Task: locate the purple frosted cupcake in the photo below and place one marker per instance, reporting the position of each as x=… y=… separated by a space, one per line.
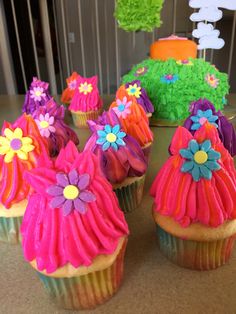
x=134 y=89
x=121 y=158
x=50 y=121
x=203 y=111
x=37 y=95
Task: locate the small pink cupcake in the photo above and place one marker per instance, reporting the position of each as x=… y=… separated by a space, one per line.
x=74 y=233
x=86 y=103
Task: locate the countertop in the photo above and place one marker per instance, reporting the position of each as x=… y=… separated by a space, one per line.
x=151 y=283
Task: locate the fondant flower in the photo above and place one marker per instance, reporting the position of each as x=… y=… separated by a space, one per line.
x=202 y=117
x=201 y=159
x=212 y=80
x=140 y=71
x=184 y=62
x=85 y=88
x=123 y=108
x=72 y=84
x=169 y=78
x=37 y=93
x=71 y=192
x=134 y=90
x=45 y=125
x=13 y=143
x=110 y=137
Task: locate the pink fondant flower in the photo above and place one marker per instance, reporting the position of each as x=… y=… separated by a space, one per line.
x=45 y=125
x=72 y=84
x=71 y=192
x=37 y=93
x=123 y=108
x=212 y=80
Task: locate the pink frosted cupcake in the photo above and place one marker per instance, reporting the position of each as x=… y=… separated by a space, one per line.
x=86 y=103
x=195 y=200
x=21 y=148
x=74 y=233
x=50 y=121
x=121 y=158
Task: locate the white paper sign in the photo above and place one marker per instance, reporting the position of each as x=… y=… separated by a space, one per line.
x=225 y=4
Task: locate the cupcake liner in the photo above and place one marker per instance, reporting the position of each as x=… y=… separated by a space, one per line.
x=86 y=291
x=204 y=255
x=10 y=229
x=130 y=196
x=80 y=118
x=147 y=151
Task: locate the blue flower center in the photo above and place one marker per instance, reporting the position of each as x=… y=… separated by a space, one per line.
x=121 y=107
x=133 y=90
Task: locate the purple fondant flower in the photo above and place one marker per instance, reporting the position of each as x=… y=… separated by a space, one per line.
x=143 y=99
x=225 y=128
x=140 y=71
x=71 y=192
x=37 y=95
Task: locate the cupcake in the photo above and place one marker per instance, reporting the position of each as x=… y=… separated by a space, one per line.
x=134 y=89
x=69 y=91
x=74 y=233
x=50 y=121
x=195 y=200
x=21 y=148
x=203 y=111
x=133 y=119
x=86 y=103
x=121 y=159
x=37 y=95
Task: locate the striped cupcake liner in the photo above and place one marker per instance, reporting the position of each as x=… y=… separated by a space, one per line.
x=80 y=118
x=130 y=196
x=10 y=229
x=193 y=254
x=147 y=151
x=86 y=291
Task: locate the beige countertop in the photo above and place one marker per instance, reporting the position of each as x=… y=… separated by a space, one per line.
x=151 y=283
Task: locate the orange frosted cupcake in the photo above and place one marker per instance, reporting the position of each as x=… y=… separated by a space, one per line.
x=86 y=103
x=133 y=119
x=195 y=200
x=21 y=148
x=69 y=91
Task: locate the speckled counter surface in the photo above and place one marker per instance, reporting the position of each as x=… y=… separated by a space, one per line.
x=151 y=283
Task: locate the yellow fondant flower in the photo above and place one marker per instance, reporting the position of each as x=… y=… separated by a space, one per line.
x=85 y=88
x=134 y=90
x=13 y=143
x=184 y=62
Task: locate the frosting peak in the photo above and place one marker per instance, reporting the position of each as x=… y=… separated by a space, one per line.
x=198 y=182
x=21 y=148
x=69 y=91
x=73 y=216
x=86 y=95
x=119 y=154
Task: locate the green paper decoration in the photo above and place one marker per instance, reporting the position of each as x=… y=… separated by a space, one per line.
x=171 y=101
x=138 y=15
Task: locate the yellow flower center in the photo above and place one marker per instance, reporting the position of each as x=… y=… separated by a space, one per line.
x=71 y=192
x=38 y=93
x=200 y=157
x=44 y=124
x=111 y=138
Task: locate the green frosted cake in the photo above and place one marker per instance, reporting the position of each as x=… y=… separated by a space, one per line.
x=172 y=85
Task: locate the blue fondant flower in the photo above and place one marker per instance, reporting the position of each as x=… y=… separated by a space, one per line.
x=201 y=159
x=169 y=78
x=202 y=117
x=110 y=137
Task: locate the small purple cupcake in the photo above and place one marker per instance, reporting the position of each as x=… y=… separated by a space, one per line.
x=134 y=89
x=121 y=158
x=204 y=111
x=50 y=121
x=37 y=95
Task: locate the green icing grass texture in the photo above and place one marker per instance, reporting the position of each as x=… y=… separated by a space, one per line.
x=136 y=15
x=171 y=101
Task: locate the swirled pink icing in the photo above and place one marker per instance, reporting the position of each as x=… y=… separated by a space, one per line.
x=54 y=239
x=177 y=195
x=86 y=96
x=117 y=165
x=13 y=188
